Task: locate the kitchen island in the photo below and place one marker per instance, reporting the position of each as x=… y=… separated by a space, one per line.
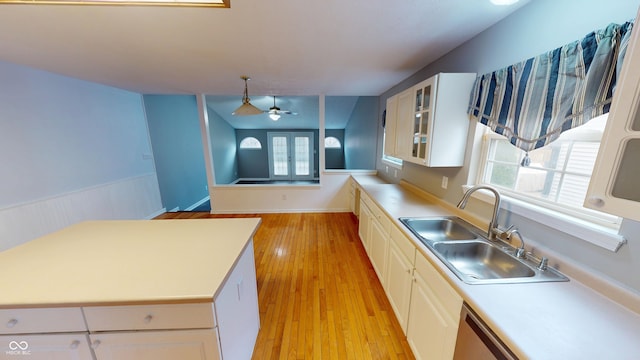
x=132 y=290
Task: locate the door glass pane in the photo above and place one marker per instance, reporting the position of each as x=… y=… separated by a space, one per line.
x=423 y=125
x=301 y=145
x=416 y=124
x=423 y=147
x=418 y=99
x=625 y=185
x=427 y=97
x=280 y=156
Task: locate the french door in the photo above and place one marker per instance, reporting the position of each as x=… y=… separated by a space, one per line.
x=290 y=155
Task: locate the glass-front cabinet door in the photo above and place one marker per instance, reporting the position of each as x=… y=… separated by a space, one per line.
x=615 y=182
x=422 y=119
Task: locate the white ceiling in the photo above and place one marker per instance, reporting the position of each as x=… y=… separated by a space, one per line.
x=288 y=47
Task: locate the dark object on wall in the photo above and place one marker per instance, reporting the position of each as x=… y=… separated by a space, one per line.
x=384 y=118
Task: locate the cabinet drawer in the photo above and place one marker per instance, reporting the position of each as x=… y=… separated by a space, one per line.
x=145 y=317
x=27 y=321
x=405 y=244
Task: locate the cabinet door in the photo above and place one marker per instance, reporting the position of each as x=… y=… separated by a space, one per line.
x=398 y=286
x=424 y=103
x=156 y=345
x=237 y=309
x=390 y=126
x=363 y=225
x=379 y=250
x=434 y=314
x=404 y=124
x=614 y=184
x=46 y=347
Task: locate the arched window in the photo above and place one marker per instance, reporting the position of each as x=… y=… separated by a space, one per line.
x=250 y=143
x=331 y=142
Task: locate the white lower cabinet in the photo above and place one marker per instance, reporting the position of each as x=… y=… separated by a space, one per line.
x=73 y=346
x=156 y=345
x=434 y=314
x=364 y=225
x=379 y=249
x=402 y=255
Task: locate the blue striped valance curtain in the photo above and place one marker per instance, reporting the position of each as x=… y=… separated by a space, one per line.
x=533 y=101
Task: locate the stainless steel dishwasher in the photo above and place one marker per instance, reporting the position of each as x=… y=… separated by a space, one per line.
x=476 y=341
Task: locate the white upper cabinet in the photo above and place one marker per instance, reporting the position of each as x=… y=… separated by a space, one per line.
x=396 y=143
x=614 y=183
x=431 y=122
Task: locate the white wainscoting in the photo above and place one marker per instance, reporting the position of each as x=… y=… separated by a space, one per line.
x=332 y=195
x=131 y=198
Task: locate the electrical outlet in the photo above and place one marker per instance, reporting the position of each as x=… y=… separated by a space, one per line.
x=395 y=173
x=445 y=182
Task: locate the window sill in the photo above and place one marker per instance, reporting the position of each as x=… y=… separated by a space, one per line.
x=393 y=164
x=597 y=235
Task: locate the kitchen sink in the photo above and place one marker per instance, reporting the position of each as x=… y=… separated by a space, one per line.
x=481 y=260
x=439 y=228
x=473 y=258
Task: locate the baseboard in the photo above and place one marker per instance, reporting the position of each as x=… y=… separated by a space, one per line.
x=200 y=202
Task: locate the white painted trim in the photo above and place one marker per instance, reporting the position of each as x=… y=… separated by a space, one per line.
x=156 y=214
x=198 y=203
x=597 y=235
x=137 y=197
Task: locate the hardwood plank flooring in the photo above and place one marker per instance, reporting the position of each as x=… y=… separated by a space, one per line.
x=318 y=294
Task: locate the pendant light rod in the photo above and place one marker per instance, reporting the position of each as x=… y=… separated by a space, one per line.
x=246 y=108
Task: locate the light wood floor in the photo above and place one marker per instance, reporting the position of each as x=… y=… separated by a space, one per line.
x=319 y=296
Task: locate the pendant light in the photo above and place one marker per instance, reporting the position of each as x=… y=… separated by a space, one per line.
x=274 y=111
x=246 y=108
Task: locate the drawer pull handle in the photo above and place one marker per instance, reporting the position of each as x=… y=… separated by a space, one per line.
x=74 y=344
x=11 y=323
x=148 y=318
x=95 y=344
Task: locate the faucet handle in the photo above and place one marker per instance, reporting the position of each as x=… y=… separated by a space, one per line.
x=543 y=264
x=503 y=234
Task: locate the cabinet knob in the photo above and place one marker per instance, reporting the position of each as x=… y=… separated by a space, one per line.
x=11 y=323
x=596 y=201
x=95 y=344
x=74 y=344
x=148 y=318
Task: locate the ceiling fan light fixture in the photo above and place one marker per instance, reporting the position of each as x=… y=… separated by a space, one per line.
x=246 y=108
x=274 y=115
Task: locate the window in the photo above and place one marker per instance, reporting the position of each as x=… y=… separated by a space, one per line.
x=558 y=175
x=290 y=155
x=250 y=143
x=331 y=142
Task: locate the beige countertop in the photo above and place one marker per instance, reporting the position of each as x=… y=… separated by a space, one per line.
x=124 y=262
x=562 y=320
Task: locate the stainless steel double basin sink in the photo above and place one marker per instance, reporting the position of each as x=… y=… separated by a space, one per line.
x=467 y=252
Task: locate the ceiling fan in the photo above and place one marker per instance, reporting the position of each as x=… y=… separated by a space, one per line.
x=275 y=112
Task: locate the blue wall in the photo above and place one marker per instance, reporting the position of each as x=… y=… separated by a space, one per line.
x=59 y=135
x=174 y=128
x=362 y=128
x=223 y=149
x=334 y=158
